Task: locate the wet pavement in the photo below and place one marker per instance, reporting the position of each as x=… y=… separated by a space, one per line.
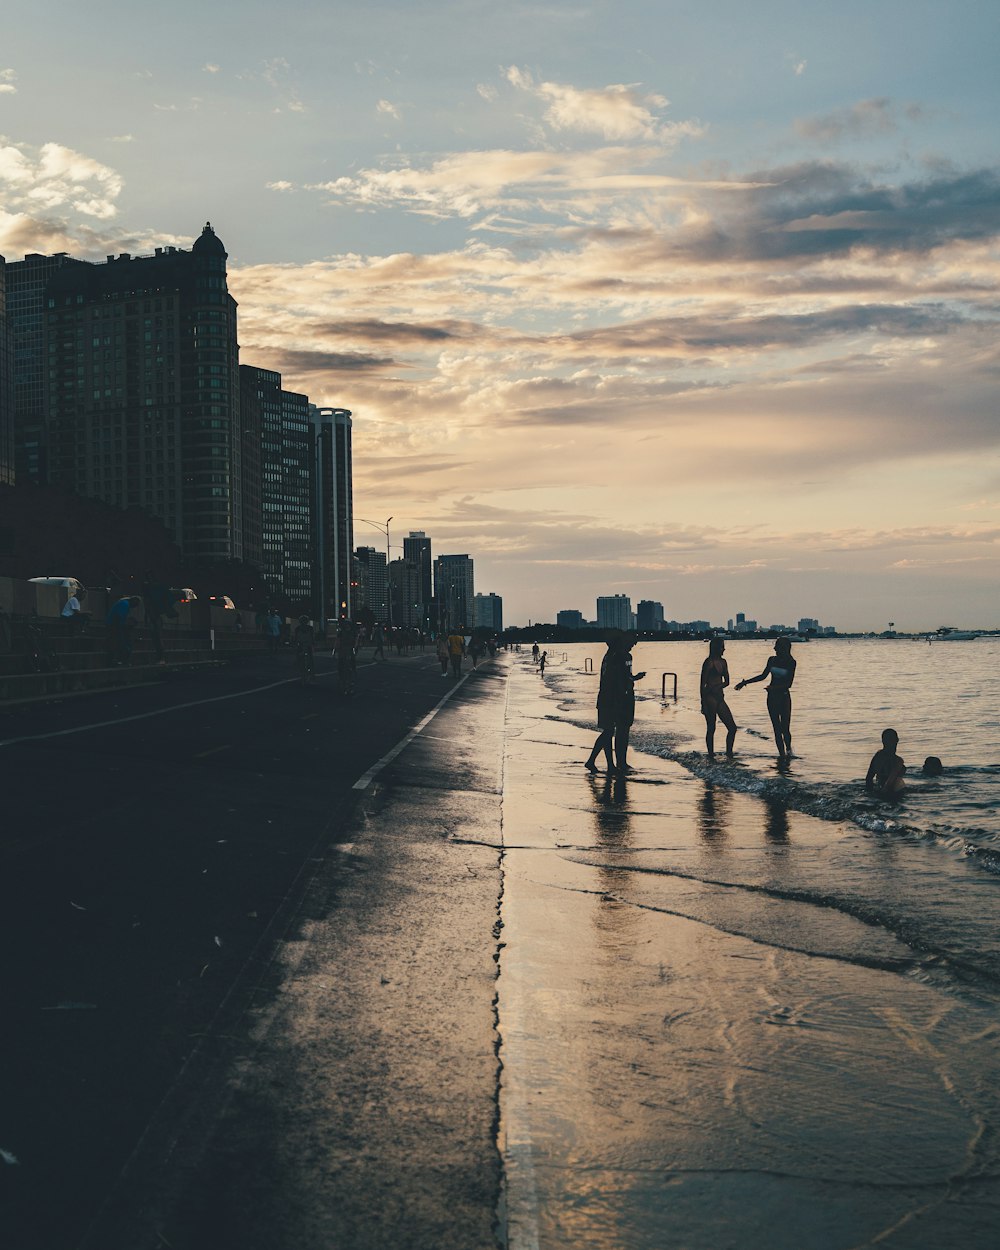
x=512 y=1004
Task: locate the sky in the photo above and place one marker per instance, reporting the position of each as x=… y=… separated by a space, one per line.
x=693 y=302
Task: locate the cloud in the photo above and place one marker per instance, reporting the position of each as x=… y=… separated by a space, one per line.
x=487 y=91
x=616 y=112
x=387 y=108
x=209 y=68
x=7 y=79
x=122 y=139
x=469 y=183
x=53 y=177
x=280 y=185
x=865 y=118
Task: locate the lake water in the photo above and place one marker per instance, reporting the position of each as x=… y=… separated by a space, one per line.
x=943 y=699
x=749 y=1006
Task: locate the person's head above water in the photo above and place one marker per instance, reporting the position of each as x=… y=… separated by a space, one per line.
x=890 y=739
x=932 y=766
x=715 y=648
x=783 y=646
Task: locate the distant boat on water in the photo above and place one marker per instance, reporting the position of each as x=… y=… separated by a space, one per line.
x=948 y=633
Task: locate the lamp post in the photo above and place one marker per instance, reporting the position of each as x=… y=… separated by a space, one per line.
x=385 y=530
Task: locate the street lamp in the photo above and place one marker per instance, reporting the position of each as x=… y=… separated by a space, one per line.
x=385 y=530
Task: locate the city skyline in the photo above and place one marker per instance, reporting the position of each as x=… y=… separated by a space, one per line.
x=697 y=307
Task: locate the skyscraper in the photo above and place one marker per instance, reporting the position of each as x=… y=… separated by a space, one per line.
x=454 y=586
x=296 y=477
x=649 y=616
x=614 y=612
x=141 y=397
x=417 y=549
x=26 y=315
x=372 y=586
x=489 y=612
x=6 y=388
x=333 y=513
x=404 y=591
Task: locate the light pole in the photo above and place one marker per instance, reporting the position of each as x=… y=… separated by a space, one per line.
x=385 y=530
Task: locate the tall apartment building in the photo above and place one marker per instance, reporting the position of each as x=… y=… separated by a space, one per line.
x=404 y=594
x=6 y=387
x=489 y=612
x=333 y=514
x=417 y=548
x=372 y=585
x=284 y=468
x=26 y=315
x=296 y=479
x=570 y=618
x=649 y=616
x=141 y=393
x=454 y=588
x=614 y=612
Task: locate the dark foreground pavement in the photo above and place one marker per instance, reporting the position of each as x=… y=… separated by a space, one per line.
x=246 y=1003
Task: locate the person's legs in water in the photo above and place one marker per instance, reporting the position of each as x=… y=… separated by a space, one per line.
x=708 y=711
x=726 y=716
x=779 y=708
x=603 y=743
x=622 y=735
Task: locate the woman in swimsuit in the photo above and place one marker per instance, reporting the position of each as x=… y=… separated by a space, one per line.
x=714 y=680
x=780 y=667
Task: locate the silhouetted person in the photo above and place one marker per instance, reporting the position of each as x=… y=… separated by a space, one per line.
x=541 y=662
x=120 y=628
x=780 y=668
x=885 y=772
x=615 y=705
x=932 y=767
x=714 y=680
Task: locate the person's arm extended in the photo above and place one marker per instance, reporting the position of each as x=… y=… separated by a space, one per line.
x=872 y=771
x=749 y=681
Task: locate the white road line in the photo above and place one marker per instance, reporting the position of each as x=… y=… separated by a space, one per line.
x=365 y=781
x=124 y=720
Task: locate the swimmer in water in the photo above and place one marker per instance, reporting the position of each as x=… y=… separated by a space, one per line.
x=714 y=680
x=780 y=667
x=885 y=772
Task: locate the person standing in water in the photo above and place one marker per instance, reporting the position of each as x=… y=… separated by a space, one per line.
x=615 y=705
x=714 y=680
x=780 y=667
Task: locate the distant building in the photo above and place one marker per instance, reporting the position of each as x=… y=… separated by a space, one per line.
x=614 y=612
x=808 y=624
x=454 y=588
x=417 y=548
x=489 y=612
x=404 y=594
x=649 y=616
x=570 y=619
x=372 y=588
x=332 y=497
x=6 y=388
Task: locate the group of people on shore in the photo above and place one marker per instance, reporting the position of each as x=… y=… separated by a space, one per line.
x=616 y=712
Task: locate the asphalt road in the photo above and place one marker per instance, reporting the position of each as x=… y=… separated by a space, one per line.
x=157 y=846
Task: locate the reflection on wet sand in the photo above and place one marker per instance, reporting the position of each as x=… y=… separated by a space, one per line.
x=714 y=808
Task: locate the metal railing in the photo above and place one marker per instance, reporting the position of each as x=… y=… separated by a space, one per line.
x=663 y=685
x=588 y=665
